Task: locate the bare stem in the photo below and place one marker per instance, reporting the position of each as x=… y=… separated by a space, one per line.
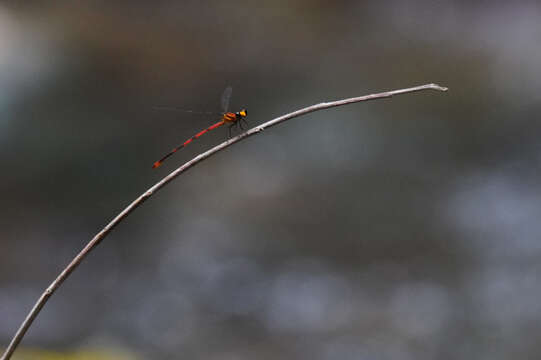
x=107 y=229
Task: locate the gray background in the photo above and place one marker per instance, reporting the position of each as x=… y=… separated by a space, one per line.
x=399 y=229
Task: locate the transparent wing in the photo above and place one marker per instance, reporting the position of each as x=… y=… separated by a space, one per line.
x=225 y=98
x=173 y=108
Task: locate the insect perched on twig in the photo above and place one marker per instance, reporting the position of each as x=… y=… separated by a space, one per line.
x=231 y=118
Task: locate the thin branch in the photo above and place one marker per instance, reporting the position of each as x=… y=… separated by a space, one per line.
x=107 y=229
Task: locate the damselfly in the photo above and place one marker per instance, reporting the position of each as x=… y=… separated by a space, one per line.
x=231 y=118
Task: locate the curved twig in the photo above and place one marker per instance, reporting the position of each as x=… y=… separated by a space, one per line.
x=107 y=229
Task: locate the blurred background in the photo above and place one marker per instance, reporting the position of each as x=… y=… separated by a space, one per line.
x=405 y=228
